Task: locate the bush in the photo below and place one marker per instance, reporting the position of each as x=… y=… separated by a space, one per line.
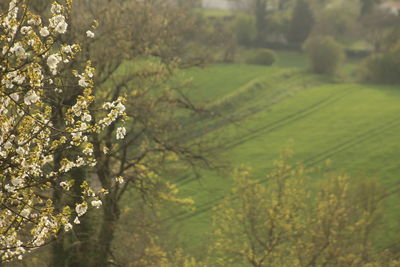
x=245 y=30
x=326 y=55
x=262 y=57
x=383 y=68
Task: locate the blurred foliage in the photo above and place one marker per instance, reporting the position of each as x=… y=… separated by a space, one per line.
x=325 y=54
x=301 y=22
x=382 y=67
x=377 y=26
x=264 y=57
x=245 y=30
x=281 y=220
x=339 y=22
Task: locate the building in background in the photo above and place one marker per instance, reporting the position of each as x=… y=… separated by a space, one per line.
x=392 y=7
x=217 y=4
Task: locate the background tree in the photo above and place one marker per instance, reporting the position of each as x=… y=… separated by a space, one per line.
x=339 y=22
x=368 y=5
x=260 y=13
x=380 y=24
x=325 y=54
x=257 y=8
x=280 y=221
x=301 y=23
x=382 y=67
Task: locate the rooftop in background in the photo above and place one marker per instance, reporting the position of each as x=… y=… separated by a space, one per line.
x=392 y=7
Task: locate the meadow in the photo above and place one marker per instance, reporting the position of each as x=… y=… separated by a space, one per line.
x=345 y=126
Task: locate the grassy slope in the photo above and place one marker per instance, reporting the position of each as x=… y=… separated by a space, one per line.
x=356 y=126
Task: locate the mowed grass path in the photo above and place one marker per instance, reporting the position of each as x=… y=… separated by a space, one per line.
x=355 y=126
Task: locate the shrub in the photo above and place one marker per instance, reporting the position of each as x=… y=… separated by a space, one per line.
x=326 y=55
x=245 y=30
x=262 y=57
x=383 y=67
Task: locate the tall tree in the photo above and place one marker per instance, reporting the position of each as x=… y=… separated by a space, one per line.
x=301 y=23
x=136 y=48
x=261 y=20
x=368 y=5
x=258 y=8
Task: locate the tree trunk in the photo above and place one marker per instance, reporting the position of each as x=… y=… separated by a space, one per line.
x=260 y=13
x=58 y=255
x=79 y=247
x=111 y=215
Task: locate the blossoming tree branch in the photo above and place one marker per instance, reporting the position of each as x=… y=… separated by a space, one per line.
x=36 y=124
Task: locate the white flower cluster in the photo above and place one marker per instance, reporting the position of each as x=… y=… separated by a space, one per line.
x=28 y=138
x=58 y=23
x=52 y=62
x=81 y=209
x=18 y=50
x=121 y=132
x=90 y=34
x=119 y=179
x=31 y=98
x=116 y=110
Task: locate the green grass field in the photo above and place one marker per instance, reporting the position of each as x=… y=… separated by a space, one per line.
x=355 y=126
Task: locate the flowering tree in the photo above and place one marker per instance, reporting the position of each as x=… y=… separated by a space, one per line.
x=127 y=31
x=42 y=135
x=283 y=221
x=136 y=48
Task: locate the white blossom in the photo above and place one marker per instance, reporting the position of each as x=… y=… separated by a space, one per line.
x=81 y=209
x=31 y=42
x=96 y=203
x=82 y=82
x=61 y=27
x=18 y=50
x=119 y=179
x=14 y=96
x=56 y=8
x=59 y=24
x=8 y=145
x=25 y=213
x=121 y=132
x=31 y=97
x=5 y=49
x=44 y=31
x=25 y=29
x=86 y=117
x=67 y=227
x=108 y=105
x=35 y=21
x=105 y=150
x=53 y=60
x=17 y=181
x=66 y=186
x=77 y=221
x=67 y=49
x=90 y=34
x=120 y=107
x=20 y=151
x=88 y=151
x=9 y=188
